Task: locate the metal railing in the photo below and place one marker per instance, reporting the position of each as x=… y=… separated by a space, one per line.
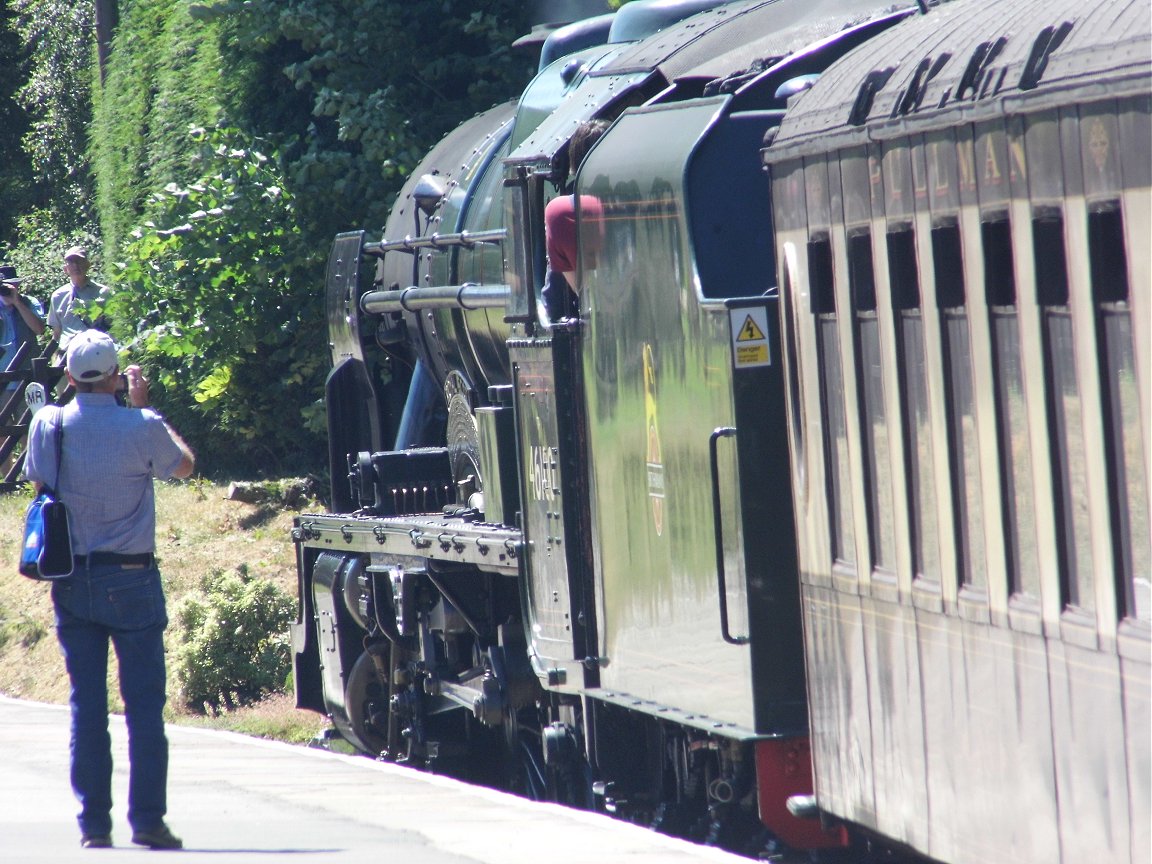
x=15 y=414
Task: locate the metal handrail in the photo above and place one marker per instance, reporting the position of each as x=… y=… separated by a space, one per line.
x=718 y=528
x=467 y=296
x=467 y=239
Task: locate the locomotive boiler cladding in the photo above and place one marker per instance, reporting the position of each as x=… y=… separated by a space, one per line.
x=710 y=544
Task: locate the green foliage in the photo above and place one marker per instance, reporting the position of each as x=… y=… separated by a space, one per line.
x=39 y=258
x=164 y=74
x=233 y=647
x=231 y=323
x=352 y=92
x=45 y=107
x=221 y=240
x=365 y=87
x=16 y=187
x=57 y=97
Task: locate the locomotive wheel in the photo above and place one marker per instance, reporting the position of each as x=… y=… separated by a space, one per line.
x=365 y=724
x=513 y=759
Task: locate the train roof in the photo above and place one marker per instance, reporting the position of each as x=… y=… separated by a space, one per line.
x=728 y=41
x=973 y=60
x=734 y=38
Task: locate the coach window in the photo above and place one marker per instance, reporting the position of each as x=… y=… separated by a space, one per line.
x=873 y=422
x=823 y=306
x=1045 y=191
x=948 y=273
x=921 y=486
x=998 y=167
x=1127 y=488
x=1011 y=409
x=1108 y=259
x=1065 y=411
x=820 y=282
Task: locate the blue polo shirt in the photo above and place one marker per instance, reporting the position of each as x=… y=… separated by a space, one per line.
x=111 y=454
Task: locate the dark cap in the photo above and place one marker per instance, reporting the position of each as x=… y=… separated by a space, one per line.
x=8 y=275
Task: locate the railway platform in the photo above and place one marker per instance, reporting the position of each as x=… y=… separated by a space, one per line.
x=236 y=799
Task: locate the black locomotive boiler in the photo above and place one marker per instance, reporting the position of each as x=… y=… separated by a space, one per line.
x=673 y=555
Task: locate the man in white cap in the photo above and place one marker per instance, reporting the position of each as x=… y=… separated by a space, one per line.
x=109 y=457
x=21 y=321
x=71 y=308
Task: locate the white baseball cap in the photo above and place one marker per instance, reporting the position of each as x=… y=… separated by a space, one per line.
x=91 y=356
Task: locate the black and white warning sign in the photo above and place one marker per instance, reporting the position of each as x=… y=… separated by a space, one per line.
x=750 y=338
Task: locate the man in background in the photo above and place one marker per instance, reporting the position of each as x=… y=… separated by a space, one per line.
x=21 y=321
x=73 y=307
x=109 y=456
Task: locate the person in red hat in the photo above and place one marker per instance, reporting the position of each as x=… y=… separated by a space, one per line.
x=559 y=295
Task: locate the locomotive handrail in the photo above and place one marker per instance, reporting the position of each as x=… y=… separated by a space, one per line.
x=467 y=296
x=718 y=528
x=436 y=241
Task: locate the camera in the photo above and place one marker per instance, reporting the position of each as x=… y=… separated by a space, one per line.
x=122 y=387
x=5 y=290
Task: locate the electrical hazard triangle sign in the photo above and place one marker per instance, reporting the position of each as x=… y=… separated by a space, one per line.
x=749 y=337
x=750 y=332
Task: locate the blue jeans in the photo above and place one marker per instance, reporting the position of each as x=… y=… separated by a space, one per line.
x=124 y=605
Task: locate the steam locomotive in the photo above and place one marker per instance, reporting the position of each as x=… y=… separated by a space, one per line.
x=821 y=522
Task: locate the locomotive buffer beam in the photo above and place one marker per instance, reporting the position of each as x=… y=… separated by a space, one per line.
x=491 y=548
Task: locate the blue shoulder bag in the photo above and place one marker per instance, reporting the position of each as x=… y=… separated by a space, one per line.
x=47 y=550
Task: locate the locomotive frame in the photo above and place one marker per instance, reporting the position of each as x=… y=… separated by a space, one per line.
x=561 y=556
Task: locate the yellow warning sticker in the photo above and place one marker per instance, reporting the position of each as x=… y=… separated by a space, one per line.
x=751 y=331
x=750 y=345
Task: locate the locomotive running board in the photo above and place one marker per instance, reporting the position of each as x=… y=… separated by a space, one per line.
x=492 y=548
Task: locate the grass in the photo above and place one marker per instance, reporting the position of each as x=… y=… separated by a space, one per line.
x=276 y=718
x=198 y=530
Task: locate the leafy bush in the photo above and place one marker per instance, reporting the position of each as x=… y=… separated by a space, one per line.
x=233 y=645
x=40 y=254
x=232 y=313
